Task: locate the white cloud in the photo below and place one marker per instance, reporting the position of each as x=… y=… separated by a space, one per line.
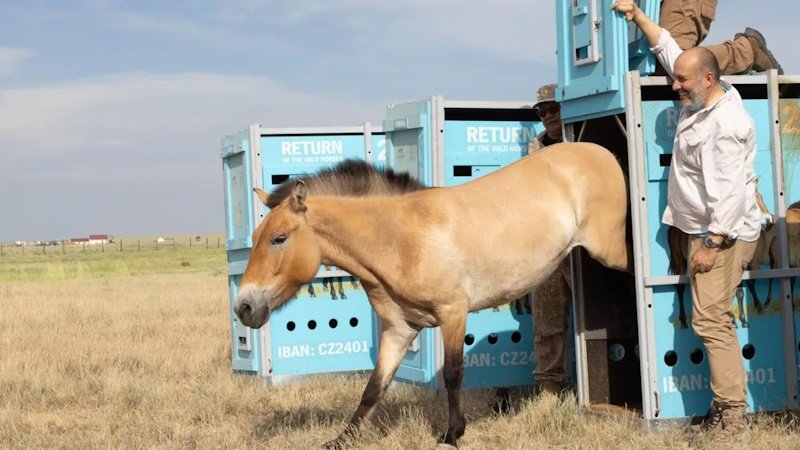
x=12 y=58
x=520 y=30
x=154 y=113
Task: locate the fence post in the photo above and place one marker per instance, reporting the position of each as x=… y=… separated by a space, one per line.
x=83 y=244
x=102 y=247
x=120 y=245
x=174 y=243
x=206 y=243
x=1 y=249
x=43 y=249
x=217 y=242
x=63 y=249
x=190 y=242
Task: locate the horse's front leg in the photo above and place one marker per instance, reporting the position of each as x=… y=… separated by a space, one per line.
x=453 y=325
x=751 y=286
x=395 y=339
x=740 y=302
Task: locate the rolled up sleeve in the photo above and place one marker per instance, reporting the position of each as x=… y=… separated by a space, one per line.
x=667 y=51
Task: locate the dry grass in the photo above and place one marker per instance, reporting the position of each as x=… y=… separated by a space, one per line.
x=144 y=362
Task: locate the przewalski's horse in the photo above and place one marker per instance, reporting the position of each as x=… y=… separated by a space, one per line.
x=427 y=258
x=678 y=263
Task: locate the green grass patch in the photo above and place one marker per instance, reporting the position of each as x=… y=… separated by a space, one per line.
x=58 y=266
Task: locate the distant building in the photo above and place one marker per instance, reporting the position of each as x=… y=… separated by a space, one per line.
x=95 y=239
x=79 y=241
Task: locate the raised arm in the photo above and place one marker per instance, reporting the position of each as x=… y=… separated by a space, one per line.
x=661 y=43
x=632 y=13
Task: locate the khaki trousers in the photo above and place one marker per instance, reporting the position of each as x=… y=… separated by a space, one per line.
x=551 y=303
x=689 y=21
x=712 y=318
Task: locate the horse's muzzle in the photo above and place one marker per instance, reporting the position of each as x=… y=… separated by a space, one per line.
x=251 y=307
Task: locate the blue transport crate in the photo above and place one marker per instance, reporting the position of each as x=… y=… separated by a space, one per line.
x=447 y=143
x=634 y=349
x=681 y=368
x=596 y=46
x=788 y=113
x=330 y=325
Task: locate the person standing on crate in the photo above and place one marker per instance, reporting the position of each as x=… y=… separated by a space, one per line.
x=711 y=199
x=689 y=22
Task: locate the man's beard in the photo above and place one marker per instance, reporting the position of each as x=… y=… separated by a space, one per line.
x=694 y=101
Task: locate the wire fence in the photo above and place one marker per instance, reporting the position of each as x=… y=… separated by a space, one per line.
x=117 y=245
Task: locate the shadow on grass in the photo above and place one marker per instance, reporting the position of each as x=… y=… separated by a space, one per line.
x=395 y=410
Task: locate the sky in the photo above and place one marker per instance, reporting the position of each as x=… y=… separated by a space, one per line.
x=112 y=112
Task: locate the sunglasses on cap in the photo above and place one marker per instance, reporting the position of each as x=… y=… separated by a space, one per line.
x=545 y=108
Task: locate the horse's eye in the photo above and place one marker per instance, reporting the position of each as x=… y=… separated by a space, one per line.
x=278 y=240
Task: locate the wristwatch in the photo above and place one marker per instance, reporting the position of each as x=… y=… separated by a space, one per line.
x=711 y=243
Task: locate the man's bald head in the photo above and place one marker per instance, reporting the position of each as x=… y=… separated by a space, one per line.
x=703 y=61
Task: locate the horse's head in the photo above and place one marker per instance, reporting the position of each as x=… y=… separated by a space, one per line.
x=767 y=218
x=285 y=256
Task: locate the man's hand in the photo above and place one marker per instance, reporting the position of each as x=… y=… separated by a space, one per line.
x=628 y=7
x=703 y=259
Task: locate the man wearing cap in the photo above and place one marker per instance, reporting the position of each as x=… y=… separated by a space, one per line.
x=553 y=297
x=549 y=112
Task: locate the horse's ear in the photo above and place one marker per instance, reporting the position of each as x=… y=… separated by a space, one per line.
x=298 y=200
x=262 y=196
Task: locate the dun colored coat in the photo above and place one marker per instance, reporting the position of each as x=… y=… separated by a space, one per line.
x=428 y=257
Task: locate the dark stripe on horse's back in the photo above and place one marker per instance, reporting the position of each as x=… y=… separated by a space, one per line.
x=350 y=178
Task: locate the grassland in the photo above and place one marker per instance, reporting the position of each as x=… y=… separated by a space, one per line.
x=131 y=350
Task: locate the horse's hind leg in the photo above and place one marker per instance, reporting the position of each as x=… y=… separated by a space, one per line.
x=453 y=326
x=610 y=248
x=396 y=336
x=341 y=289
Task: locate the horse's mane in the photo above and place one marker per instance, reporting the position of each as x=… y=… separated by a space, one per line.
x=349 y=178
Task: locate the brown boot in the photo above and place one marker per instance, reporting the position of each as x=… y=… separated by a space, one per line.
x=763 y=59
x=723 y=422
